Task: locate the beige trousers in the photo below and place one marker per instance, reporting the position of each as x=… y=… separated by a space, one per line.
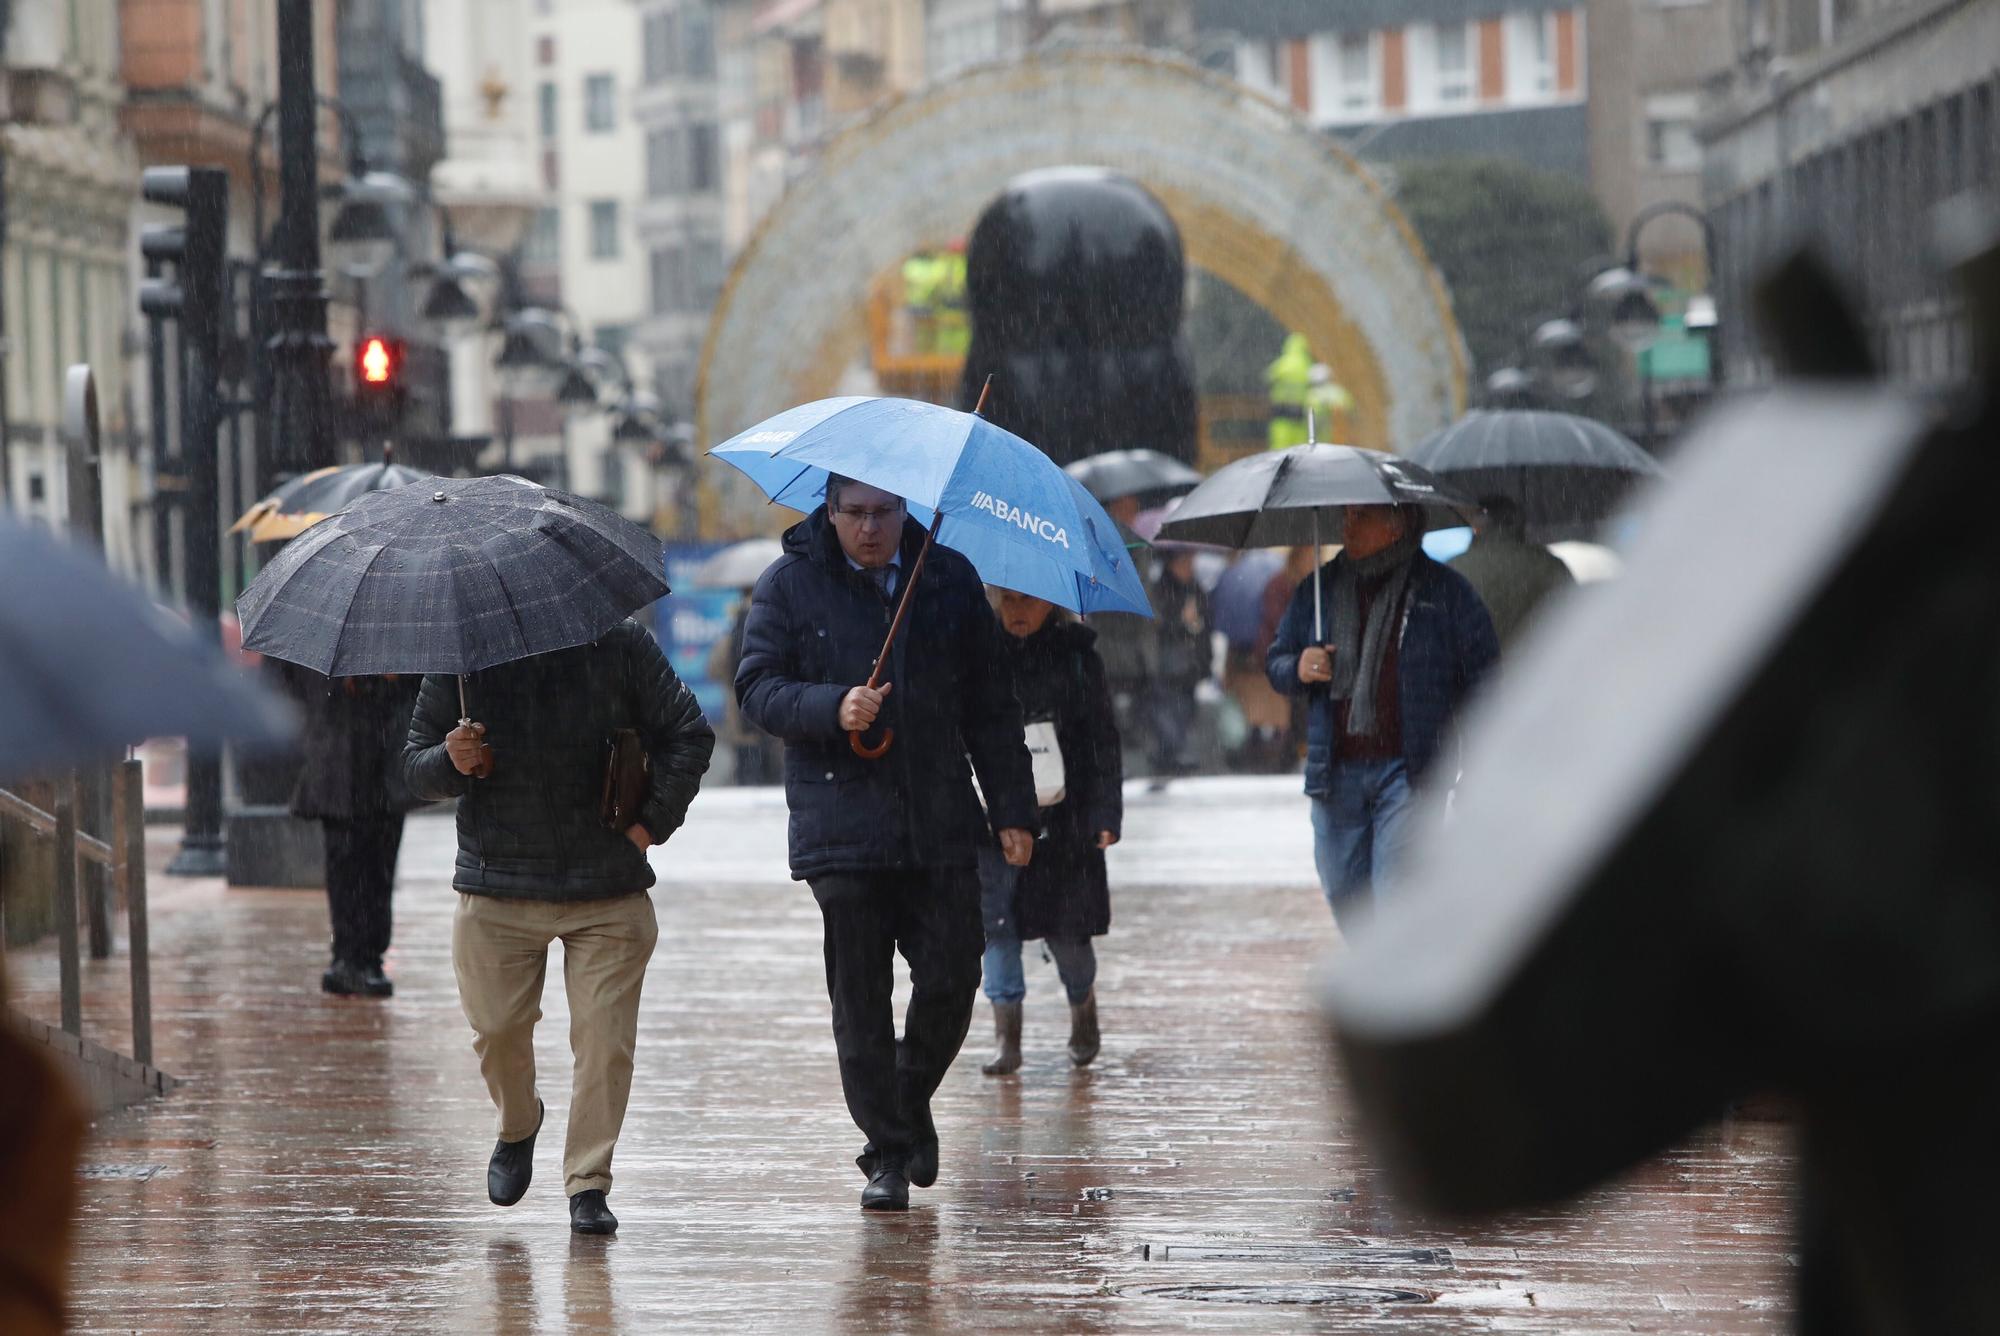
x=499 y=949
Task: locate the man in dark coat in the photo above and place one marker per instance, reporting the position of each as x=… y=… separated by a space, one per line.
x=351 y=782
x=536 y=862
x=889 y=846
x=1062 y=898
x=1404 y=641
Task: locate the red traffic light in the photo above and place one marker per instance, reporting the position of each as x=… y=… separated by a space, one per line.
x=379 y=360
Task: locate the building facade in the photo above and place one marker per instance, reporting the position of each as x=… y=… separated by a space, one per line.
x=1848 y=122
x=1422 y=79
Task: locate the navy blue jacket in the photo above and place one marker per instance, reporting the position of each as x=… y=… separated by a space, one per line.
x=814 y=629
x=1446 y=645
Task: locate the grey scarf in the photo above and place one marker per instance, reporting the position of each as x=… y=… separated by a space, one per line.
x=1358 y=650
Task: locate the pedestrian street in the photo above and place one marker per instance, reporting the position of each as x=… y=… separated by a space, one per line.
x=322 y=1166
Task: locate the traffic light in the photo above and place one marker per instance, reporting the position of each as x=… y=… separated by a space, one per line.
x=197 y=249
x=379 y=385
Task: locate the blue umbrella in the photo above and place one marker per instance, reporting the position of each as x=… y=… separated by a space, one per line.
x=982 y=491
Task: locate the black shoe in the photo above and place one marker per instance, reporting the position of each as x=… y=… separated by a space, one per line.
x=344 y=978
x=589 y=1215
x=513 y=1164
x=887 y=1190
x=377 y=984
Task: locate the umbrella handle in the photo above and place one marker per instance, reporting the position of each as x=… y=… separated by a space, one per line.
x=876 y=752
x=861 y=748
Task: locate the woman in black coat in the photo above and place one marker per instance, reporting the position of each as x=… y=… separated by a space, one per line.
x=352 y=784
x=1062 y=897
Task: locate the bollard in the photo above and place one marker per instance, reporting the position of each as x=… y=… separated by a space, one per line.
x=129 y=822
x=66 y=937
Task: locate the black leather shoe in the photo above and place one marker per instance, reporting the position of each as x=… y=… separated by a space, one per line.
x=513 y=1164
x=377 y=984
x=887 y=1190
x=344 y=978
x=589 y=1215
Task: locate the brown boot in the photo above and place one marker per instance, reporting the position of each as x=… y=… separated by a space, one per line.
x=1084 y=1040
x=1006 y=1058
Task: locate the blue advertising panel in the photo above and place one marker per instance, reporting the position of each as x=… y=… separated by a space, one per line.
x=689 y=621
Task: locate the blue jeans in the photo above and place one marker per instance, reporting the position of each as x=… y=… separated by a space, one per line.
x=1361 y=828
x=1075 y=957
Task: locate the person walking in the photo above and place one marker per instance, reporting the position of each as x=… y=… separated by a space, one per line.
x=890 y=845
x=1512 y=575
x=1406 y=641
x=351 y=782
x=537 y=863
x=1184 y=659
x=1062 y=898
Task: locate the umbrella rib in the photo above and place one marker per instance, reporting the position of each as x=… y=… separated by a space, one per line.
x=333 y=659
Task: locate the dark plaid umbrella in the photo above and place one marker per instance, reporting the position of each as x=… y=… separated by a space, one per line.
x=89 y=665
x=1146 y=474
x=450 y=576
x=304 y=501
x=1285 y=497
x=1567 y=474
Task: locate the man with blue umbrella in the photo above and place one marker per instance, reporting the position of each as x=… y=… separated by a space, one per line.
x=871 y=650
x=890 y=845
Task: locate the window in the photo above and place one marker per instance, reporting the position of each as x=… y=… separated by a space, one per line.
x=604 y=229
x=709 y=272
x=600 y=112
x=1541 y=54
x=698 y=40
x=551 y=123
x=545 y=51
x=544 y=246
x=662 y=41
x=1670 y=140
x=1356 y=71
x=1454 y=63
x=666 y=163
x=704 y=172
x=670 y=280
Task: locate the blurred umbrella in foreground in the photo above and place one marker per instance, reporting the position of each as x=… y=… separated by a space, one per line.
x=1567 y=474
x=1728 y=826
x=89 y=665
x=304 y=501
x=1287 y=497
x=1146 y=474
x=739 y=565
x=453 y=576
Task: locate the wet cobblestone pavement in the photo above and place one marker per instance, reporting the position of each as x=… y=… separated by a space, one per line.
x=322 y=1168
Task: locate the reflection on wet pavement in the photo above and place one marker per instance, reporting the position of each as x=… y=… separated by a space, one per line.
x=323 y=1166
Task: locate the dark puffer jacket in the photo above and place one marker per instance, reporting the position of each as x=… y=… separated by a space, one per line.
x=530 y=830
x=351 y=745
x=1058 y=676
x=815 y=627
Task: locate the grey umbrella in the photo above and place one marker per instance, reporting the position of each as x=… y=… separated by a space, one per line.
x=739 y=565
x=1286 y=497
x=1568 y=474
x=89 y=665
x=451 y=576
x=1146 y=474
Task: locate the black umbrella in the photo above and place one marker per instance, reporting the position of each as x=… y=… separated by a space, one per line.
x=1567 y=474
x=452 y=576
x=89 y=665
x=1282 y=498
x=304 y=501
x=1146 y=474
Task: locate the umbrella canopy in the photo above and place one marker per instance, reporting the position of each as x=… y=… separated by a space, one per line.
x=304 y=501
x=451 y=577
x=89 y=665
x=1567 y=474
x=1146 y=474
x=739 y=565
x=1286 y=497
x=1236 y=604
x=1005 y=506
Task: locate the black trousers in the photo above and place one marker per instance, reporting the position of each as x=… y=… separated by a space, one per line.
x=932 y=918
x=360 y=870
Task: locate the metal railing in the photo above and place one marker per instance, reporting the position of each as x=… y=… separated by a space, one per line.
x=124 y=857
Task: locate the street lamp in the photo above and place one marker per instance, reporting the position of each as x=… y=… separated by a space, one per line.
x=1625 y=293
x=1511 y=387
x=363 y=228
x=1564 y=359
